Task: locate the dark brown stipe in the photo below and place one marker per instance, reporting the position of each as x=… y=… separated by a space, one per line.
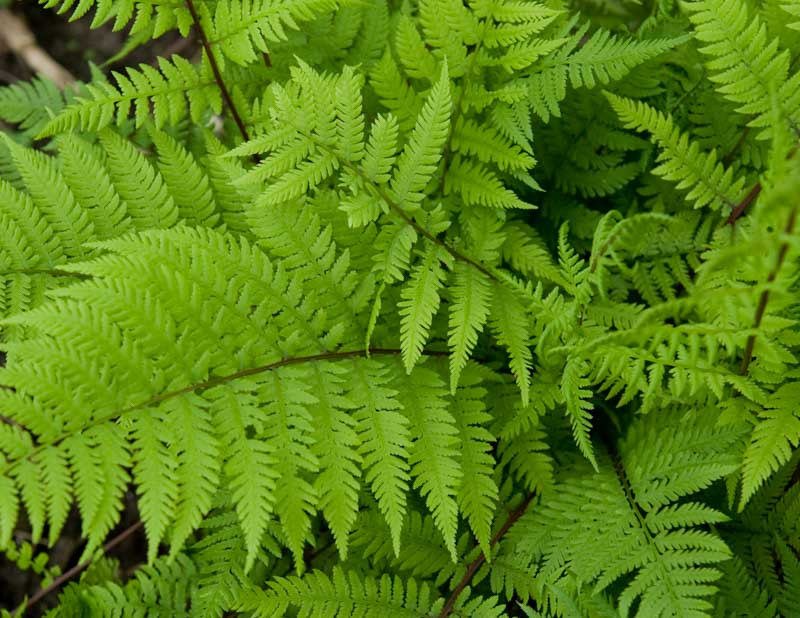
x=215 y=69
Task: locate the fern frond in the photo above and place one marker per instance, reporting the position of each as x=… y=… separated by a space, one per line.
x=335 y=447
x=419 y=159
x=434 y=456
x=468 y=314
x=420 y=302
x=245 y=29
x=478 y=492
x=747 y=68
x=84 y=171
x=175 y=90
x=793 y=8
x=295 y=497
x=576 y=396
x=592 y=526
x=527 y=253
x=157 y=482
x=186 y=182
x=342 y=594
x=100 y=461
x=707 y=179
x=381 y=149
x=775 y=435
x=423 y=554
x=139 y=186
x=162 y=589
x=385 y=442
x=30 y=104
x=479 y=186
x=509 y=321
x=488 y=146
x=250 y=466
x=274 y=340
x=53 y=198
x=587 y=62
x=173 y=443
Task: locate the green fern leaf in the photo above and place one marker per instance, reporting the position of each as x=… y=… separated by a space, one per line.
x=250 y=466
x=381 y=149
x=245 y=29
x=746 y=66
x=53 y=198
x=142 y=190
x=185 y=180
x=586 y=61
x=574 y=387
x=468 y=314
x=509 y=321
x=774 y=437
x=343 y=594
x=175 y=88
x=478 y=492
x=479 y=186
x=419 y=159
x=197 y=469
x=335 y=447
x=385 y=442
x=155 y=471
x=9 y=508
x=434 y=456
x=420 y=302
x=295 y=497
x=83 y=170
x=30 y=104
x=708 y=181
x=100 y=460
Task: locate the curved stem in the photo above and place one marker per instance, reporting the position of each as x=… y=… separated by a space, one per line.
x=739 y=209
x=226 y=95
x=74 y=571
x=53 y=272
x=512 y=518
x=748 y=199
x=762 y=302
x=212 y=383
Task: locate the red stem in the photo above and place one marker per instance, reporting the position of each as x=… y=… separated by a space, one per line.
x=762 y=302
x=74 y=571
x=215 y=69
x=475 y=564
x=742 y=206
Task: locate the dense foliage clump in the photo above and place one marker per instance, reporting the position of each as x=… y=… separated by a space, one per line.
x=411 y=308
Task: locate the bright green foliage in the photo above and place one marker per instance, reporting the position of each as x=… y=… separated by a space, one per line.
x=174 y=90
x=773 y=439
x=748 y=66
x=28 y=104
x=708 y=181
x=343 y=594
x=625 y=518
x=410 y=308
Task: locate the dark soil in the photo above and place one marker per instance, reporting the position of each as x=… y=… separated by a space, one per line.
x=74 y=45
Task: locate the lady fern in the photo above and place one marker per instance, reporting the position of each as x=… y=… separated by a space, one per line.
x=482 y=308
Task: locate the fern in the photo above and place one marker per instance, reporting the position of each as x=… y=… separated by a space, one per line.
x=657 y=539
x=344 y=595
x=747 y=69
x=423 y=308
x=176 y=90
x=29 y=104
x=709 y=183
x=772 y=441
x=598 y=59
